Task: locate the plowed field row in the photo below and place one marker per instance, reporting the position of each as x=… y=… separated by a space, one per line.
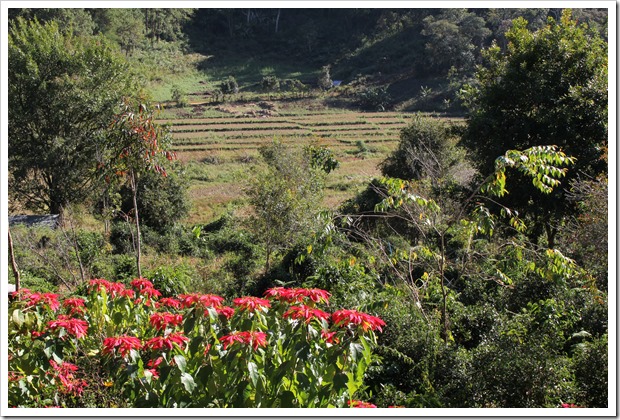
x=216 y=148
x=238 y=133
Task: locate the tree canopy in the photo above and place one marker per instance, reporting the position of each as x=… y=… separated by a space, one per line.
x=63 y=92
x=548 y=87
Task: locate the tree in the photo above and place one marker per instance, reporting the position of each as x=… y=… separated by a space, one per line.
x=549 y=87
x=285 y=195
x=454 y=37
x=63 y=92
x=427 y=149
x=165 y=24
x=140 y=145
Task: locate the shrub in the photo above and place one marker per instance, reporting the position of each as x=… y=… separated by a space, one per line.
x=172 y=281
x=270 y=83
x=375 y=98
x=186 y=351
x=229 y=86
x=179 y=97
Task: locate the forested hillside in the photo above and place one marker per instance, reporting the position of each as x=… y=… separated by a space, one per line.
x=308 y=208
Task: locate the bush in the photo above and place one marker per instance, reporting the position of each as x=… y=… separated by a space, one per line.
x=229 y=86
x=270 y=84
x=427 y=149
x=172 y=281
x=179 y=97
x=591 y=366
x=162 y=201
x=186 y=351
x=374 y=98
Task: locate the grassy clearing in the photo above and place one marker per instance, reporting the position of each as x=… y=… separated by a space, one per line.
x=219 y=146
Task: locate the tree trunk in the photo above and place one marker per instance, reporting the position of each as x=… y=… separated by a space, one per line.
x=13 y=262
x=278 y=20
x=551 y=232
x=444 y=307
x=134 y=190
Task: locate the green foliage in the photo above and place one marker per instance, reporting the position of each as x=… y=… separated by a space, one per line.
x=179 y=96
x=194 y=353
x=591 y=368
x=548 y=87
x=284 y=197
x=270 y=84
x=172 y=281
x=427 y=149
x=229 y=86
x=322 y=158
x=324 y=81
x=63 y=92
x=374 y=98
x=162 y=201
x=454 y=36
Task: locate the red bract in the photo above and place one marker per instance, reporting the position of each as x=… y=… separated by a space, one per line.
x=21 y=294
x=316 y=295
x=305 y=312
x=330 y=337
x=155 y=362
x=255 y=338
x=227 y=311
x=73 y=326
x=51 y=299
x=360 y=404
x=569 y=405
x=75 y=305
x=170 y=302
x=251 y=303
x=150 y=292
x=115 y=289
x=298 y=294
x=141 y=283
x=167 y=342
x=124 y=343
x=161 y=320
x=345 y=317
x=64 y=372
x=36 y=334
x=191 y=299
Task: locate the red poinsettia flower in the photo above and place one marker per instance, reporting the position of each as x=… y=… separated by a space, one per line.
x=73 y=326
x=207 y=300
x=170 y=302
x=161 y=320
x=330 y=337
x=226 y=311
x=360 y=404
x=125 y=344
x=254 y=338
x=316 y=295
x=33 y=299
x=167 y=342
x=115 y=289
x=251 y=303
x=141 y=283
x=345 y=317
x=305 y=312
x=153 y=365
x=75 y=305
x=65 y=372
x=21 y=294
x=150 y=292
x=296 y=295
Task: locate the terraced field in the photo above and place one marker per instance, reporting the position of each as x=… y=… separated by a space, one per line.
x=217 y=151
x=341 y=132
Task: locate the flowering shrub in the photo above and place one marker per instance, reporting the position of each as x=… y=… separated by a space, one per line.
x=132 y=346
